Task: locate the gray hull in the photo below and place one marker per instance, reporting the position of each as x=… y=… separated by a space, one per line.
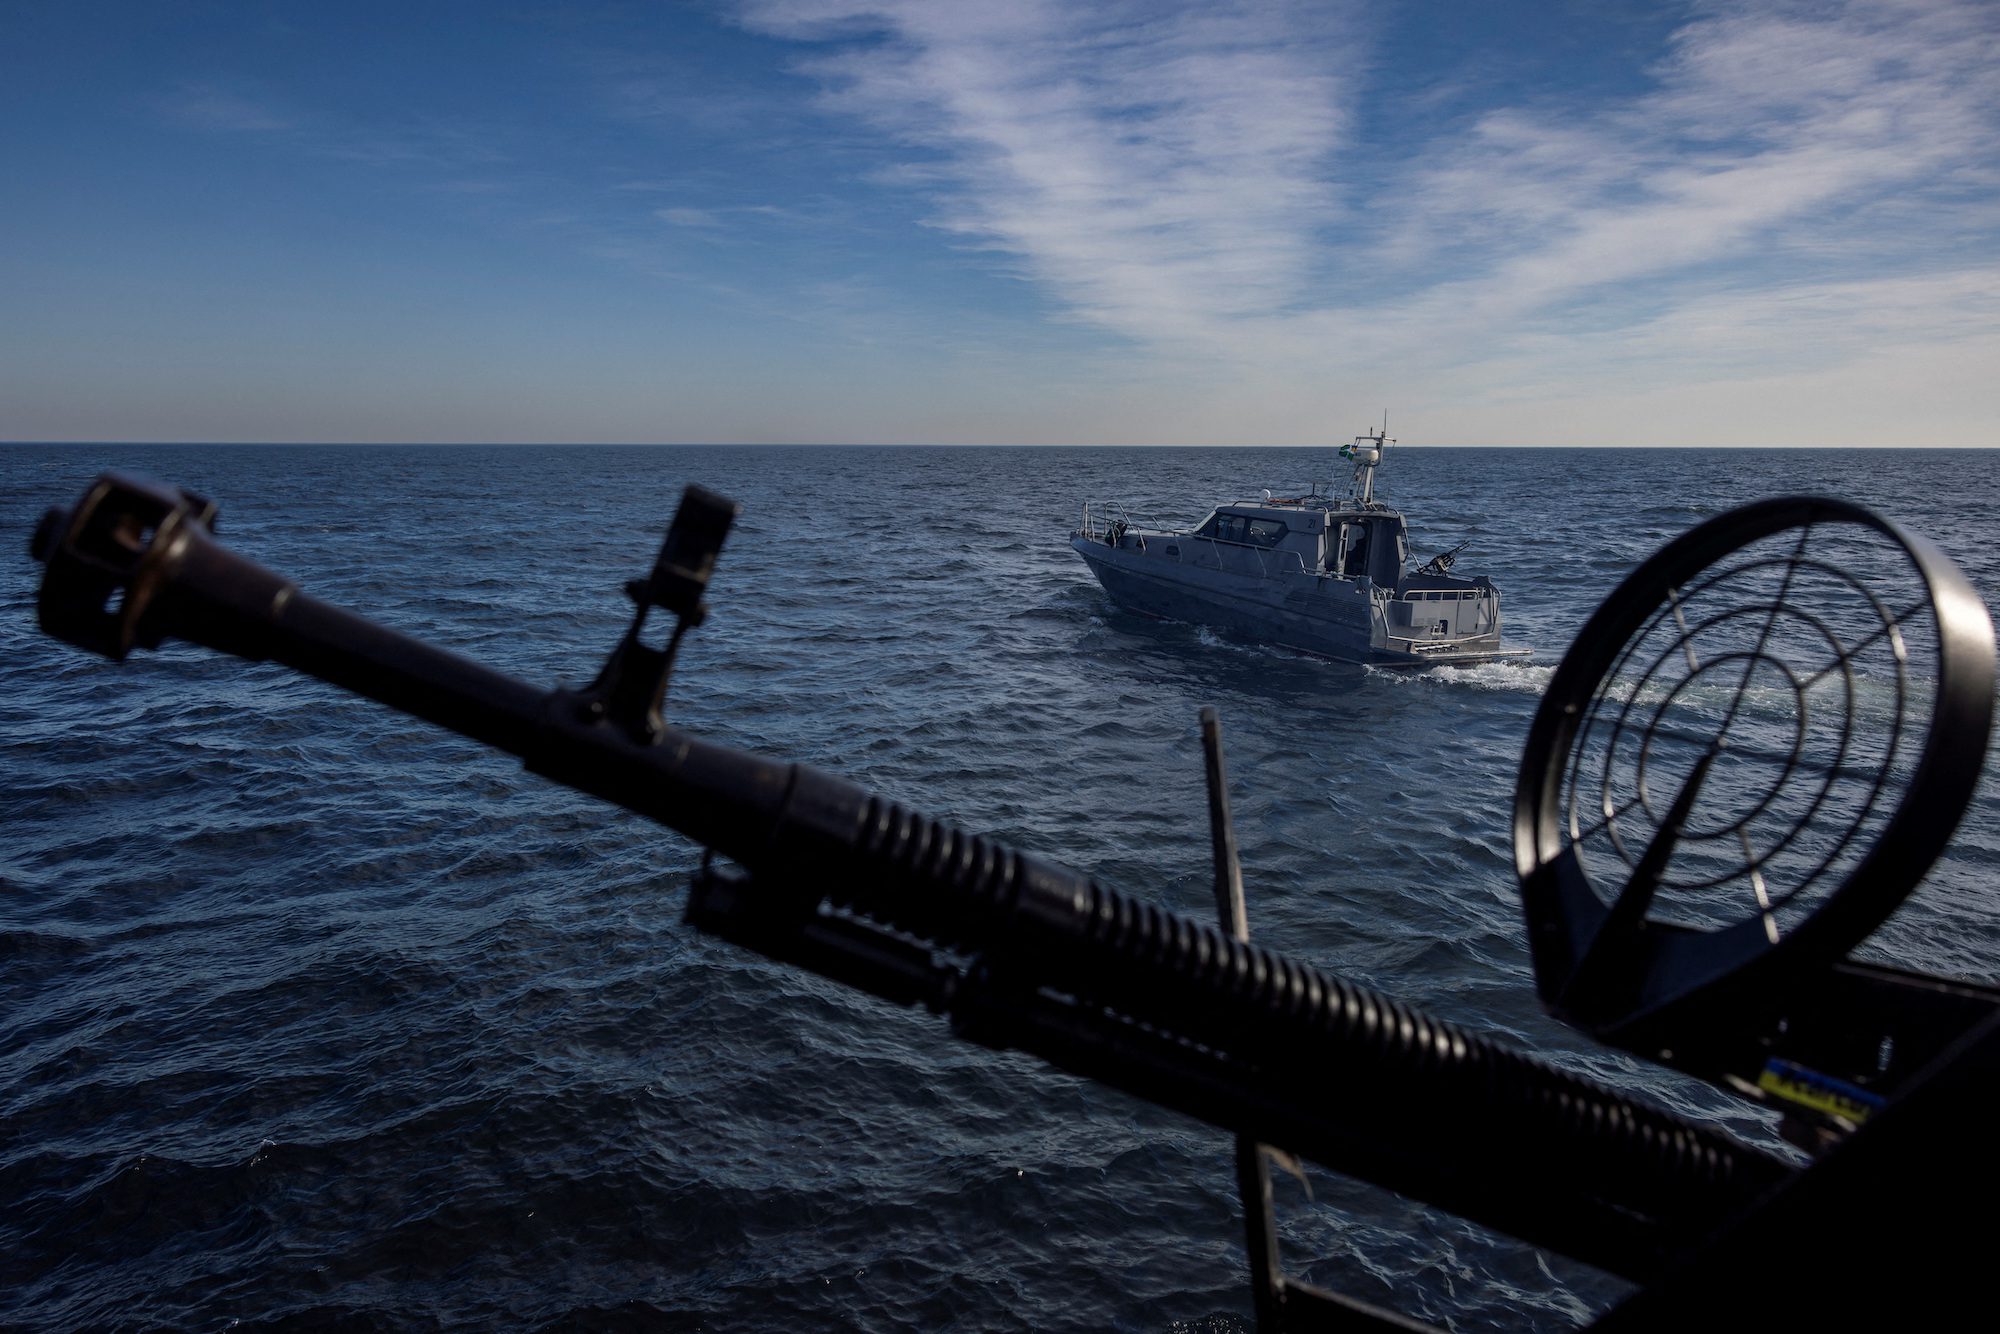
x=1351 y=620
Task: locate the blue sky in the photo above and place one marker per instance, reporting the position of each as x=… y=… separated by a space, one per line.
x=814 y=220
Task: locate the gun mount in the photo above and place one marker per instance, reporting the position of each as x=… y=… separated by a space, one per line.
x=1017 y=952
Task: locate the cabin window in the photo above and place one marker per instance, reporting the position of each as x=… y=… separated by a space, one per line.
x=1265 y=532
x=1240 y=529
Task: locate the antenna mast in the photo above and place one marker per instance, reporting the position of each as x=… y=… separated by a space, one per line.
x=1366 y=454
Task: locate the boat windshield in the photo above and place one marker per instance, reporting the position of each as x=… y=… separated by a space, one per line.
x=1243 y=529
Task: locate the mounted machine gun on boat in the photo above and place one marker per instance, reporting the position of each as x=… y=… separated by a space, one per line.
x=1699 y=853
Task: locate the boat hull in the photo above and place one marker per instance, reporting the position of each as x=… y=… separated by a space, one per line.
x=1344 y=619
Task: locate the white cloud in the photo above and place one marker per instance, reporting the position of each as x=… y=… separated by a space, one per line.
x=1792 y=190
x=1160 y=170
x=206 y=107
x=1762 y=131
x=688 y=217
x=712 y=219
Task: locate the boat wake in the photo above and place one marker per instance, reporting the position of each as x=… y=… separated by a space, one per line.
x=1527 y=678
x=1209 y=638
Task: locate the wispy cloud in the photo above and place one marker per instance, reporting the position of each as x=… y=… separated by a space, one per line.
x=207 y=107
x=1226 y=219
x=423 y=142
x=1194 y=178
x=699 y=218
x=1160 y=169
x=716 y=219
x=1766 y=133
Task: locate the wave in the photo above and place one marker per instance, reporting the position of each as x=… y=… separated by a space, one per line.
x=1524 y=678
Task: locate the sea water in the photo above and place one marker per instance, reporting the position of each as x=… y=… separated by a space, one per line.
x=315 y=1014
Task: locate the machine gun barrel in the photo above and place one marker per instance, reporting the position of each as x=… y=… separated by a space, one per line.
x=1017 y=951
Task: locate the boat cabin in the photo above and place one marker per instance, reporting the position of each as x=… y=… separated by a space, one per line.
x=1323 y=573
x=1350 y=544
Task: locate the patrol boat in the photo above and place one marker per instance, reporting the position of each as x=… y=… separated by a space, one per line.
x=1325 y=574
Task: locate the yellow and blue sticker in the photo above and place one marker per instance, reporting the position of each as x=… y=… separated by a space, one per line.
x=1822 y=1093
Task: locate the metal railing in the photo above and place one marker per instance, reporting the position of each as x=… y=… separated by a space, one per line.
x=1097 y=525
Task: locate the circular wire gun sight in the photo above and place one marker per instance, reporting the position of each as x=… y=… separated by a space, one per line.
x=1756 y=748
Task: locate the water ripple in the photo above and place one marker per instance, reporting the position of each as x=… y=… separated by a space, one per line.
x=319 y=1017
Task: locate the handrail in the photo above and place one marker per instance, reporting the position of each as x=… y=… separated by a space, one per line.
x=1145 y=524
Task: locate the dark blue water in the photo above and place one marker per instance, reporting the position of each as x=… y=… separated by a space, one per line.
x=317 y=1015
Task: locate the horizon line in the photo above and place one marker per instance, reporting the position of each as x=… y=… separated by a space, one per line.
x=917 y=444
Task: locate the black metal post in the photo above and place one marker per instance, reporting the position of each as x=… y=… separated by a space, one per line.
x=1253 y=1175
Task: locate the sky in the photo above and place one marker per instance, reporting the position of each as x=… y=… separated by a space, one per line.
x=1568 y=223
